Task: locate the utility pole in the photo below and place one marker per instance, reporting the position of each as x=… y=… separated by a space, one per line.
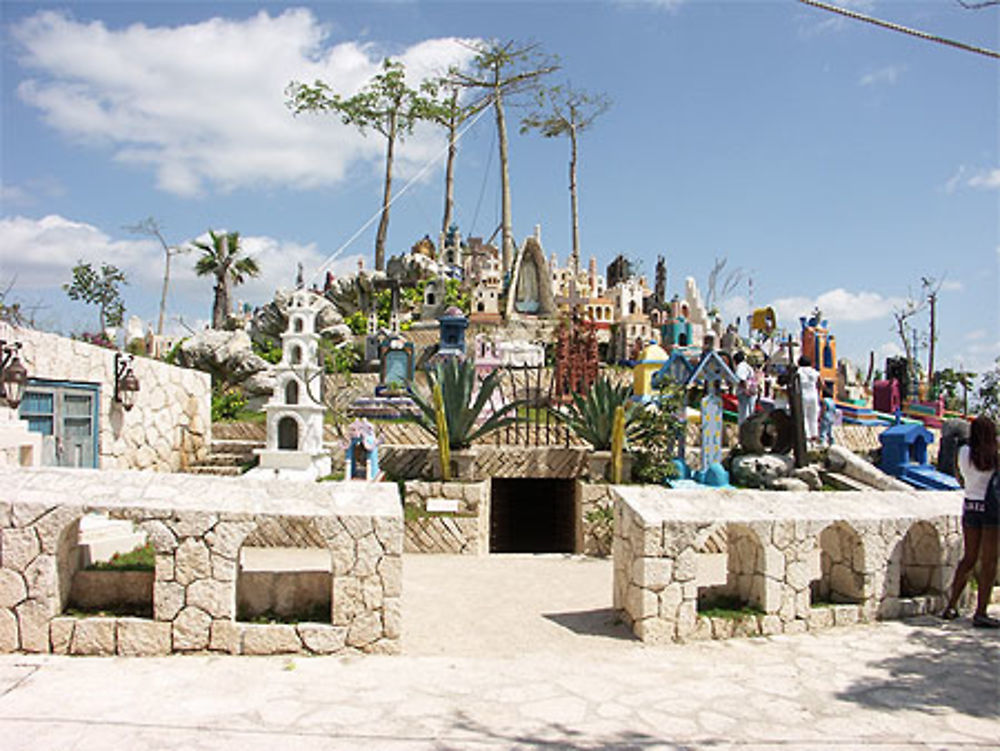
x=932 y=300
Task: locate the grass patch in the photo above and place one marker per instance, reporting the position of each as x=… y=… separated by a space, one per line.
x=112 y=611
x=318 y=614
x=140 y=559
x=412 y=513
x=731 y=608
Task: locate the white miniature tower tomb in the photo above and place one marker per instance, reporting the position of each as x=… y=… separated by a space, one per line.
x=295 y=411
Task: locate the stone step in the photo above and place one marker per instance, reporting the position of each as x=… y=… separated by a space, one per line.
x=841 y=481
x=221 y=471
x=235 y=447
x=226 y=460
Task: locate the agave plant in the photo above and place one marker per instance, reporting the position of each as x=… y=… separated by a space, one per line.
x=591 y=416
x=462 y=403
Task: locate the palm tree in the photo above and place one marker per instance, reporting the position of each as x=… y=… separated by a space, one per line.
x=221 y=258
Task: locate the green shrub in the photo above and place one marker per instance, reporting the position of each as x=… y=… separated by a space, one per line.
x=171 y=357
x=268 y=350
x=357 y=322
x=140 y=559
x=227 y=404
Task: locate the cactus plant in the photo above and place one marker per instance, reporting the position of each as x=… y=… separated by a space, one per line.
x=461 y=403
x=591 y=416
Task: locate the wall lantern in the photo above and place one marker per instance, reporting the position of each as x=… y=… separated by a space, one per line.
x=126 y=384
x=13 y=375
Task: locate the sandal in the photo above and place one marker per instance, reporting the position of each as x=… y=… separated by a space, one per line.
x=949 y=614
x=981 y=620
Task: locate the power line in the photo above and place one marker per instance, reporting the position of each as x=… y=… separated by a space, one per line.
x=333 y=256
x=902 y=29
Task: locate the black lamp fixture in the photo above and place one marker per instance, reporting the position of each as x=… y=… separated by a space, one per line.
x=13 y=375
x=126 y=384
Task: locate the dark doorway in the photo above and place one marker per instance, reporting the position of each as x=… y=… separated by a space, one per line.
x=533 y=516
x=288 y=434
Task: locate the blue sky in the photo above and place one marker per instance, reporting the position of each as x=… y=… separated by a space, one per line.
x=834 y=162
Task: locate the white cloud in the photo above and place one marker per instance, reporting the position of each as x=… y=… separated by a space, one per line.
x=888 y=349
x=982 y=179
x=952 y=285
x=39 y=254
x=815 y=21
x=985 y=180
x=28 y=193
x=888 y=75
x=838 y=305
x=955 y=180
x=204 y=104
x=669 y=5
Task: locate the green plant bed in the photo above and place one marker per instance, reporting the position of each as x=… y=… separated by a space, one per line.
x=318 y=614
x=140 y=559
x=113 y=611
x=412 y=513
x=731 y=608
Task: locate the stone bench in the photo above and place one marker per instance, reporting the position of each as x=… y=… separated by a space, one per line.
x=792 y=561
x=197 y=526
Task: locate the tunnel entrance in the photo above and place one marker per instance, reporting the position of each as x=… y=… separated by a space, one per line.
x=533 y=515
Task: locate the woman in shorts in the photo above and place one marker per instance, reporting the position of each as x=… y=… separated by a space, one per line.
x=977 y=461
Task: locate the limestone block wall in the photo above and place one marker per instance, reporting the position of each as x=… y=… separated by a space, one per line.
x=798 y=561
x=170 y=424
x=197 y=526
x=596 y=503
x=466 y=530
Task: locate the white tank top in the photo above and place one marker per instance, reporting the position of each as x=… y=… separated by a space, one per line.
x=975 y=479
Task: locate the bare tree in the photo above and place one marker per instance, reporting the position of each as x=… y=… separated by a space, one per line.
x=502 y=70
x=450 y=113
x=152 y=228
x=564 y=111
x=907 y=333
x=386 y=105
x=930 y=288
x=721 y=282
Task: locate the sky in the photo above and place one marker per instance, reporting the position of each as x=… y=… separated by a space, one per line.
x=831 y=162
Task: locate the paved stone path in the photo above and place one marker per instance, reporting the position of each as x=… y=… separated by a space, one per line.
x=922 y=684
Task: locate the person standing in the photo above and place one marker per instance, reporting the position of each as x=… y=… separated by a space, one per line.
x=977 y=463
x=746 y=387
x=827 y=417
x=809 y=386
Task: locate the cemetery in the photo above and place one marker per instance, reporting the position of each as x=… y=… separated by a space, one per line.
x=586 y=415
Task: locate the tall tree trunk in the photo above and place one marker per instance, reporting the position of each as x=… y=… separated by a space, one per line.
x=931 y=391
x=506 y=224
x=449 y=170
x=163 y=295
x=383 y=222
x=574 y=208
x=220 y=305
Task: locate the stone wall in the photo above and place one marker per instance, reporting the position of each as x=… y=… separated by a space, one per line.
x=197 y=526
x=170 y=424
x=800 y=561
x=464 y=530
x=596 y=504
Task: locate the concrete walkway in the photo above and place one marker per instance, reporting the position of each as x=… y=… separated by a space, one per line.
x=522 y=652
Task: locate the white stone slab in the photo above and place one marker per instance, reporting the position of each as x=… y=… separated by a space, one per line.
x=449 y=505
x=656 y=505
x=52 y=486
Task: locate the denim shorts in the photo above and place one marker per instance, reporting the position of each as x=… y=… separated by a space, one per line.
x=979 y=514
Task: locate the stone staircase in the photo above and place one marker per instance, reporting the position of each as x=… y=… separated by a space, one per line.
x=226 y=458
